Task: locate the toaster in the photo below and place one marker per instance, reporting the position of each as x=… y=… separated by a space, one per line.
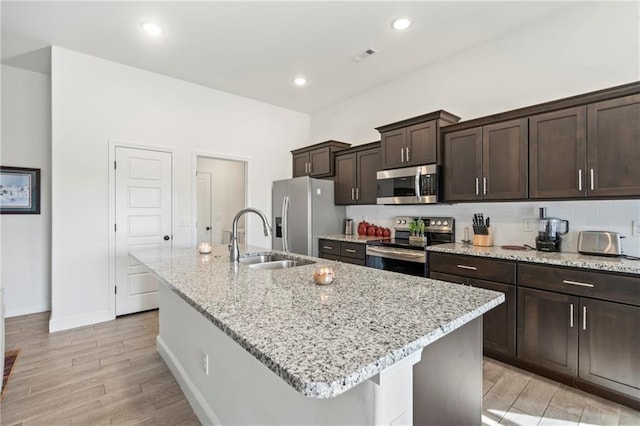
x=600 y=243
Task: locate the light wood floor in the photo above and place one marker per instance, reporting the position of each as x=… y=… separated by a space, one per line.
x=111 y=374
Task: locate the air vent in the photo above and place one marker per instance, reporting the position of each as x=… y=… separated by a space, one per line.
x=364 y=55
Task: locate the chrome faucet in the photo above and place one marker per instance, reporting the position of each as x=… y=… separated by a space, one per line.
x=234 y=252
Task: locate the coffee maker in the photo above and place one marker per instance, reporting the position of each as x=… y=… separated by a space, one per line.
x=550 y=230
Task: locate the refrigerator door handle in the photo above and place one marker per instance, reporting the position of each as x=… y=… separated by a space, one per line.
x=285 y=224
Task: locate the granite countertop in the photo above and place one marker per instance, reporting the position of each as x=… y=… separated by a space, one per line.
x=574 y=260
x=355 y=238
x=322 y=340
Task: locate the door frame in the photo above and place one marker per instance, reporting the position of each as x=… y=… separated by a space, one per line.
x=194 y=188
x=123 y=143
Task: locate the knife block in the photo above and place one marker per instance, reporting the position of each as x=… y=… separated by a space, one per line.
x=483 y=240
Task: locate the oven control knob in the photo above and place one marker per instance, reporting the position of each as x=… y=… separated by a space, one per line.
x=445 y=223
x=404 y=221
x=439 y=223
x=433 y=223
x=398 y=221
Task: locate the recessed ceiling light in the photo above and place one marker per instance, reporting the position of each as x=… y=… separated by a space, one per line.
x=401 y=24
x=300 y=81
x=152 y=28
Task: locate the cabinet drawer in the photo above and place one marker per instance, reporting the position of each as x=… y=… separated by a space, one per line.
x=329 y=256
x=596 y=285
x=473 y=267
x=329 y=247
x=354 y=261
x=353 y=250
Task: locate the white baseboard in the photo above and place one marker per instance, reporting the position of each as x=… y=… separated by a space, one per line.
x=196 y=399
x=59 y=324
x=31 y=308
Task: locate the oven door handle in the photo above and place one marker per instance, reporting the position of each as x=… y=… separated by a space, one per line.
x=407 y=255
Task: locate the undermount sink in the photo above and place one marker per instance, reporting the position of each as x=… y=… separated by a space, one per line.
x=272 y=261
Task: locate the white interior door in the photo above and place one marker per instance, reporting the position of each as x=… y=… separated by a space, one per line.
x=143 y=219
x=204 y=207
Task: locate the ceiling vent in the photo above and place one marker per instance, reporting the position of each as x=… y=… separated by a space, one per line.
x=364 y=55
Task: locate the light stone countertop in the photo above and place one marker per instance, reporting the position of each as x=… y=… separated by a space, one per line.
x=322 y=340
x=573 y=260
x=355 y=238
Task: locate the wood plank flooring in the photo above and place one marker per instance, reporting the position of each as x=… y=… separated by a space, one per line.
x=111 y=374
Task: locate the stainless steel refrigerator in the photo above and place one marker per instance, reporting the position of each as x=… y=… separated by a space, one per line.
x=303 y=209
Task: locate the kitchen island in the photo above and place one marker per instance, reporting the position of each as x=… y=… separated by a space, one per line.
x=270 y=346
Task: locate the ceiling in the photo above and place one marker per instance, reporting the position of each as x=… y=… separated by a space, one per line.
x=254 y=49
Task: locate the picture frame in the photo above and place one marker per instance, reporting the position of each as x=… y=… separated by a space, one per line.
x=19 y=190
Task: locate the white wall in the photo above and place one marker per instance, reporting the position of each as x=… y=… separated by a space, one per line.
x=227 y=193
x=587 y=47
x=94 y=101
x=26 y=239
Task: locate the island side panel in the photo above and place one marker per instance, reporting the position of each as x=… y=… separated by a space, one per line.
x=447 y=382
x=239 y=389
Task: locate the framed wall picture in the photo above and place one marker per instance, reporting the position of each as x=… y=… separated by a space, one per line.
x=19 y=190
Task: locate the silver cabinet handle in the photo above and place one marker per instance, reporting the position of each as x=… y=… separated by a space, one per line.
x=353 y=196
x=592 y=180
x=571 y=315
x=402 y=155
x=350 y=250
x=577 y=283
x=584 y=317
x=357 y=193
x=327 y=247
x=579 y=179
x=477 y=186
x=407 y=153
x=473 y=268
x=484 y=185
x=306 y=167
x=309 y=167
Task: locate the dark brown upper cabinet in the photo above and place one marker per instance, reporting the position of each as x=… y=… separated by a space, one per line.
x=487 y=163
x=414 y=141
x=613 y=147
x=558 y=154
x=355 y=178
x=316 y=160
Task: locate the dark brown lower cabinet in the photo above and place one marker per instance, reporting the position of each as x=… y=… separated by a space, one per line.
x=499 y=324
x=347 y=252
x=610 y=345
x=547 y=330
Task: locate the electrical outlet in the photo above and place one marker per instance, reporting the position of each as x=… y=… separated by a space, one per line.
x=530 y=225
x=205 y=363
x=635 y=228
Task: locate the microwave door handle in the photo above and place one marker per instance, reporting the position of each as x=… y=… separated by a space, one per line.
x=417 y=184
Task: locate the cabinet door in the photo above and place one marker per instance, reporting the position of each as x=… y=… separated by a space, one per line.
x=558 y=154
x=320 y=162
x=300 y=164
x=392 y=146
x=548 y=330
x=499 y=324
x=610 y=345
x=613 y=147
x=505 y=160
x=345 y=180
x=463 y=165
x=422 y=144
x=368 y=164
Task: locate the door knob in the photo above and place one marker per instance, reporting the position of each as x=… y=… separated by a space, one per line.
x=208 y=228
x=166 y=238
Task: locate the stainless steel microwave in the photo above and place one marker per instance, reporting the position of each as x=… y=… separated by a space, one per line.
x=409 y=185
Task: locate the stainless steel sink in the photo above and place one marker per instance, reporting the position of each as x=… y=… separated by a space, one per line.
x=272 y=261
x=250 y=260
x=279 y=264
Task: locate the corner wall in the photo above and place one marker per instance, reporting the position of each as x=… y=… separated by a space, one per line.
x=95 y=101
x=26 y=239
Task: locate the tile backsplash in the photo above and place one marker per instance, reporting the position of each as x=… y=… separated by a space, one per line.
x=508 y=219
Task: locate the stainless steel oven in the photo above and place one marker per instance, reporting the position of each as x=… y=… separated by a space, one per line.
x=409 y=185
x=405 y=255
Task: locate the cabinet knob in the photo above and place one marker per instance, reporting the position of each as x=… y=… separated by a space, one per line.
x=166 y=238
